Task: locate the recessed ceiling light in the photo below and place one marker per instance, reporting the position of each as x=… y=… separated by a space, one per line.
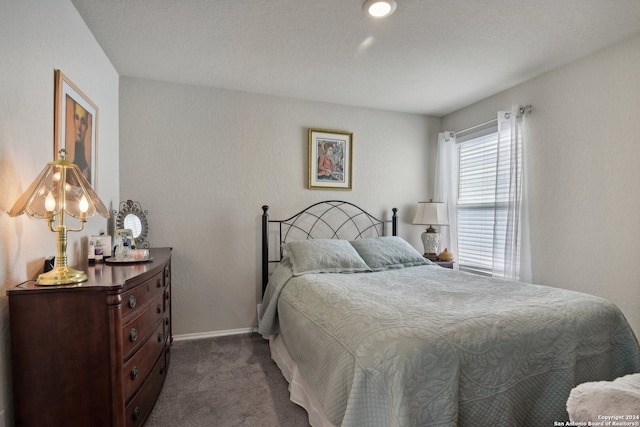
x=379 y=8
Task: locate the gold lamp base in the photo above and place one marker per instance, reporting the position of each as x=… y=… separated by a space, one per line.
x=61 y=276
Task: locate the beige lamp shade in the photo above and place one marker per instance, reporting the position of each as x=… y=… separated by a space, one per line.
x=431 y=213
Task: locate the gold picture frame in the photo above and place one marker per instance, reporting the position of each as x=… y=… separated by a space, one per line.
x=75 y=127
x=330 y=159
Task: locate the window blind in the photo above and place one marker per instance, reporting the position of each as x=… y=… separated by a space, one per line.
x=482 y=203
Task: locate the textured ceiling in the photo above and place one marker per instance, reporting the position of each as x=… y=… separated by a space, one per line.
x=430 y=57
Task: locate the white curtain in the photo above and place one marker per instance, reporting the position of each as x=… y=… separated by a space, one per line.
x=446 y=188
x=511 y=237
x=511 y=253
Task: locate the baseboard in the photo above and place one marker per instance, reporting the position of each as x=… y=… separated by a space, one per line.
x=213 y=334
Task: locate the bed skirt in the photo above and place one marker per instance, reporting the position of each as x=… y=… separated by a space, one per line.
x=300 y=392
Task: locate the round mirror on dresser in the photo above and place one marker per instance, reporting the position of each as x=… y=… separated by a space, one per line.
x=131 y=216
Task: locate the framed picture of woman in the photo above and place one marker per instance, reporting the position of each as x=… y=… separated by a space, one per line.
x=75 y=127
x=330 y=159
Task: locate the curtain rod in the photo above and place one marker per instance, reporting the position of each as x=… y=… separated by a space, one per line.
x=521 y=110
x=474 y=127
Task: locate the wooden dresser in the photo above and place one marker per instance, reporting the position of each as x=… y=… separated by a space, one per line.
x=95 y=354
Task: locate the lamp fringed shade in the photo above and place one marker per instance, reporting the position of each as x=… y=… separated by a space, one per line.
x=431 y=213
x=60 y=187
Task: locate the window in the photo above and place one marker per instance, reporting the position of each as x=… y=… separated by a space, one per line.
x=484 y=169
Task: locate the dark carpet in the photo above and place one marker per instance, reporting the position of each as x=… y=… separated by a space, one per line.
x=225 y=381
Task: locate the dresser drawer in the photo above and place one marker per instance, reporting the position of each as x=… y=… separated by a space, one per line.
x=135 y=299
x=139 y=408
x=140 y=327
x=138 y=367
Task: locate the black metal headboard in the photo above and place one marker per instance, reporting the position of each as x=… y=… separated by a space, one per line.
x=331 y=219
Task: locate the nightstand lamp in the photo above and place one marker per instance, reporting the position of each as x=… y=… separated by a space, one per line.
x=431 y=213
x=60 y=188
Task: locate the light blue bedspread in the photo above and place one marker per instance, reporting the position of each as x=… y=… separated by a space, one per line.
x=428 y=346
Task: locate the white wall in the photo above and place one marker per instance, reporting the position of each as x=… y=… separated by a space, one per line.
x=582 y=166
x=203 y=162
x=37 y=38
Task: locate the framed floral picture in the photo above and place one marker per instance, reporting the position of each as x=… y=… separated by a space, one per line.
x=330 y=159
x=75 y=126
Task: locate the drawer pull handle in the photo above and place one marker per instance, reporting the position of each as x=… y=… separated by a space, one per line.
x=166 y=321
x=134 y=373
x=132 y=301
x=159 y=308
x=159 y=282
x=136 y=413
x=166 y=296
x=160 y=337
x=133 y=335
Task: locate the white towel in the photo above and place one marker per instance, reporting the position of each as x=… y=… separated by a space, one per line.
x=595 y=400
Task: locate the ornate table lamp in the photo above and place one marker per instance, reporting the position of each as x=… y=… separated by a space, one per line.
x=431 y=213
x=60 y=188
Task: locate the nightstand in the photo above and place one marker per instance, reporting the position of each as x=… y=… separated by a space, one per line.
x=445 y=264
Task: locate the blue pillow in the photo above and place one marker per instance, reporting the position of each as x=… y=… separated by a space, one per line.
x=385 y=253
x=324 y=256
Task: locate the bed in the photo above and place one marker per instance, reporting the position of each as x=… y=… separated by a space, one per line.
x=370 y=333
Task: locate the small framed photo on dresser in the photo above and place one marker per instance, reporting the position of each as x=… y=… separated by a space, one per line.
x=126 y=235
